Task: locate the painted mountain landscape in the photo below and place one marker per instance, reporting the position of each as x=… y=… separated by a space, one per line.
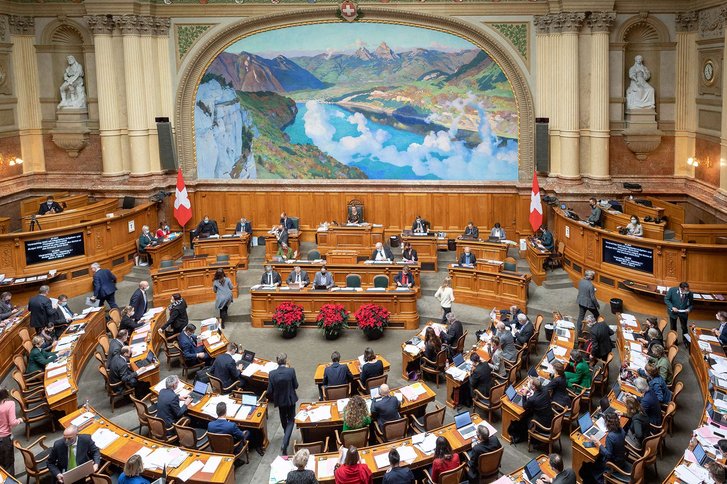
x=355 y=101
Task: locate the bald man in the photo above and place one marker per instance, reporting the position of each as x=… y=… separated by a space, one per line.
x=382 y=253
x=386 y=407
x=71 y=451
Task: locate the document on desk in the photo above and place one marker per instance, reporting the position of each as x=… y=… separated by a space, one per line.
x=144 y=453
x=407 y=453
x=212 y=464
x=193 y=468
x=456 y=373
x=320 y=413
x=411 y=349
x=244 y=412
x=269 y=366
x=82 y=419
x=104 y=437
x=382 y=460
x=251 y=369
x=408 y=393
x=427 y=445
x=341 y=404
x=708 y=337
x=58 y=387
x=559 y=350
x=628 y=336
x=326 y=467
x=57 y=371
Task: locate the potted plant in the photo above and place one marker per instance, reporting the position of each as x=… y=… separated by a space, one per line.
x=372 y=319
x=331 y=319
x=287 y=318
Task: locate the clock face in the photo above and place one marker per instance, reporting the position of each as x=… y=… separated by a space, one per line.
x=708 y=71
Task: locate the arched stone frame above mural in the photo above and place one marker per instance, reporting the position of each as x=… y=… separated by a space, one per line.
x=216 y=40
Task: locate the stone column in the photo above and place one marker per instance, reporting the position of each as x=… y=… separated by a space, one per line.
x=27 y=91
x=554 y=43
x=543 y=59
x=569 y=91
x=600 y=24
x=723 y=136
x=686 y=93
x=135 y=98
x=164 y=67
x=151 y=93
x=102 y=27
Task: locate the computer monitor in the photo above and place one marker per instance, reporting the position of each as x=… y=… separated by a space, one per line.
x=510 y=392
x=248 y=399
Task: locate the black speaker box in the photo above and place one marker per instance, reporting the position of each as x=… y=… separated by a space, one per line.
x=167 y=153
x=542 y=145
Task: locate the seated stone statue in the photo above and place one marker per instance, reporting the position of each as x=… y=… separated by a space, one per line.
x=73 y=94
x=640 y=94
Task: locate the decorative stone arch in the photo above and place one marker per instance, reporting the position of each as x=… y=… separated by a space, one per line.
x=211 y=45
x=648 y=28
x=66 y=32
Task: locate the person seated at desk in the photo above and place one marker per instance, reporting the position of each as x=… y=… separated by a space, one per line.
x=192 y=351
x=639 y=427
x=633 y=228
x=49 y=336
x=71 y=451
x=396 y=474
x=614 y=451
x=139 y=301
x=432 y=347
x=146 y=239
x=420 y=226
x=243 y=226
x=557 y=387
x=721 y=332
x=353 y=216
x=538 y=407
x=119 y=372
x=525 y=329
x=178 y=318
x=286 y=253
x=226 y=370
x=7 y=308
x=467 y=258
x=280 y=233
x=351 y=471
x=286 y=222
x=659 y=359
x=596 y=216
x=270 y=277
x=301 y=475
x=323 y=278
x=444 y=459
x=404 y=278
x=546 y=238
x=335 y=374
x=224 y=426
x=497 y=358
x=127 y=320
x=356 y=414
x=38 y=357
x=163 y=230
x=298 y=277
x=372 y=366
x=717 y=471
x=562 y=476
x=206 y=228
x=409 y=254
x=115 y=345
x=169 y=407
x=454 y=330
x=485 y=443
x=470 y=232
x=50 y=206
x=582 y=374
x=507 y=342
x=386 y=407
x=497 y=232
x=480 y=378
x=649 y=401
x=64 y=315
x=132 y=471
x=382 y=253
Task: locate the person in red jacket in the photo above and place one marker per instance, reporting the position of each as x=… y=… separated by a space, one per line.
x=444 y=459
x=351 y=471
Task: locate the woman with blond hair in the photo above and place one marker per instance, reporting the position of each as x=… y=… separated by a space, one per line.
x=38 y=358
x=445 y=294
x=301 y=475
x=132 y=471
x=356 y=415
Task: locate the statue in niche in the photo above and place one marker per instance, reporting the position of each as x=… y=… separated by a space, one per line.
x=73 y=95
x=640 y=94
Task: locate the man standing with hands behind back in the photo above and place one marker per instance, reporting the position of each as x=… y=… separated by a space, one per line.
x=104 y=286
x=679 y=301
x=586 y=298
x=282 y=384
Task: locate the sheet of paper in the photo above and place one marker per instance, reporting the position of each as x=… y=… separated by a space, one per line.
x=104 y=437
x=58 y=387
x=382 y=460
x=320 y=413
x=559 y=351
x=418 y=388
x=251 y=369
x=269 y=366
x=244 y=412
x=411 y=349
x=428 y=444
x=407 y=453
x=212 y=463
x=326 y=467
x=57 y=371
x=456 y=373
x=143 y=453
x=628 y=336
x=82 y=419
x=418 y=438
x=341 y=404
x=408 y=393
x=708 y=337
x=193 y=468
x=280 y=467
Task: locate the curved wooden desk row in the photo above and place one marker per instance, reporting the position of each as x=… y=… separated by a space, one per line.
x=73 y=216
x=192 y=281
x=169 y=249
x=11 y=343
x=105 y=240
x=30 y=206
x=488 y=289
x=236 y=247
x=703 y=266
x=341 y=271
x=361 y=238
x=401 y=304
x=122 y=444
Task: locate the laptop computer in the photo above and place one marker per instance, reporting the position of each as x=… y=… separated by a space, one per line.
x=199 y=391
x=78 y=473
x=493 y=239
x=464 y=424
x=532 y=471
x=149 y=360
x=701 y=456
x=716 y=417
x=588 y=428
x=247 y=358
x=460 y=363
x=513 y=395
x=320 y=287
x=248 y=399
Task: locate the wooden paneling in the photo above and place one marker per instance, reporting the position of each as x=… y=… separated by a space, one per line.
x=30 y=206
x=11 y=342
x=632 y=208
x=426 y=247
x=488 y=289
x=536 y=260
x=482 y=250
x=361 y=239
x=703 y=233
x=74 y=216
x=169 y=250
x=235 y=247
x=194 y=283
x=4 y=225
x=272 y=246
x=613 y=219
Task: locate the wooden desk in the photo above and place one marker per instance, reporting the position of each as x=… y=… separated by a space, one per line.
x=487 y=289
x=214 y=344
x=518 y=474
x=31 y=206
x=4 y=225
x=401 y=304
x=426 y=247
x=340 y=271
x=537 y=257
x=11 y=343
x=453 y=386
x=73 y=216
x=7 y=478
x=194 y=283
x=642 y=211
x=170 y=249
x=81 y=350
x=613 y=219
x=406 y=357
x=482 y=249
x=153 y=341
x=704 y=301
x=128 y=443
x=703 y=233
x=361 y=238
x=341 y=256
x=235 y=247
x=315 y=431
x=271 y=244
x=353 y=365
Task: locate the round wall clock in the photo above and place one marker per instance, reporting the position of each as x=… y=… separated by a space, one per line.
x=708 y=72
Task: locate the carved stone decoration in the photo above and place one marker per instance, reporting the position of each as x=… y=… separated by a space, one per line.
x=572 y=21
x=642 y=135
x=73 y=93
x=71 y=131
x=129 y=24
x=670 y=265
x=542 y=24
x=601 y=21
x=3 y=28
x=161 y=26
x=687 y=21
x=100 y=24
x=5 y=77
x=21 y=25
x=146 y=25
x=711 y=23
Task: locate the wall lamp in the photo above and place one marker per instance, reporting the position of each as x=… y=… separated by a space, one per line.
x=695 y=162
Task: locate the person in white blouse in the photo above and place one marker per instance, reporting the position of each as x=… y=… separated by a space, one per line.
x=498 y=232
x=634 y=228
x=445 y=295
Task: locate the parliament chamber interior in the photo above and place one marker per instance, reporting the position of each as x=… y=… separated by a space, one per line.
x=320 y=241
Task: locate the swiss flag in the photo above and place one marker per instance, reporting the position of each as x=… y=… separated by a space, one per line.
x=182 y=205
x=536 y=206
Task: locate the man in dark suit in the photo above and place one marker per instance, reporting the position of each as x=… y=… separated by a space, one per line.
x=168 y=407
x=206 y=227
x=485 y=443
x=243 y=226
x=382 y=252
x=409 y=254
x=586 y=299
x=471 y=231
x=119 y=371
x=280 y=233
x=526 y=331
x=562 y=476
x=420 y=226
x=41 y=309
x=116 y=344
x=191 y=350
x=386 y=407
x=396 y=474
x=64 y=314
x=7 y=308
x=224 y=426
x=286 y=222
x=298 y=277
x=481 y=376
x=546 y=238
x=178 y=318
x=454 y=330
x=335 y=373
x=323 y=278
x=282 y=384
x=104 y=285
x=538 y=406
x=71 y=451
x=467 y=258
x=138 y=301
x=404 y=278
x=679 y=302
x=601 y=338
x=226 y=369
x=50 y=206
x=270 y=277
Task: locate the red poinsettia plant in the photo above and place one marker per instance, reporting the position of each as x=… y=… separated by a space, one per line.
x=288 y=316
x=332 y=317
x=370 y=316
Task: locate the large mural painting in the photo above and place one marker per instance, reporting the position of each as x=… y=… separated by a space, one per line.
x=355 y=101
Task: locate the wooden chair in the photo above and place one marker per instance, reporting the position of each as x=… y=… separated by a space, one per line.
x=142 y=411
x=509 y=264
x=452 y=476
x=225 y=444
x=600 y=381
x=347 y=438
x=27 y=347
x=25 y=335
x=337 y=392
x=36 y=465
x=430 y=421
x=490 y=404
x=392 y=430
x=459 y=347
x=115 y=391
x=100 y=358
x=113 y=328
x=677 y=390
x=33 y=413
x=103 y=341
x=373 y=382
x=115 y=315
x=678 y=367
x=488 y=465
x=672 y=353
x=512 y=371
x=186 y=367
x=30 y=394
x=101 y=476
x=319 y=447
x=159 y=431
x=634 y=475
x=547 y=435
x=537 y=325
x=191 y=438
x=651 y=445
x=571 y=413
x=556 y=258
x=217 y=387
x=35 y=379
x=666 y=422
x=437 y=367
x=662 y=325
x=172 y=352
x=671 y=339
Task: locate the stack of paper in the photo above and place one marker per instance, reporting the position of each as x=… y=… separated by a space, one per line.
x=269 y=366
x=408 y=393
x=138 y=349
x=427 y=444
x=341 y=404
x=193 y=468
x=708 y=337
x=57 y=371
x=418 y=388
x=382 y=460
x=243 y=413
x=411 y=349
x=104 y=437
x=280 y=467
x=326 y=467
x=251 y=369
x=82 y=419
x=456 y=373
x=58 y=387
x=320 y=413
x=212 y=464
